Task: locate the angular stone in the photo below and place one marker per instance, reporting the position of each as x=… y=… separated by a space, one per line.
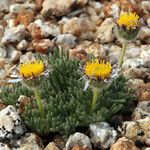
x=78 y=54
x=138 y=130
x=15 y=55
x=22 y=46
x=114 y=53
x=43 y=46
x=133 y=63
x=2 y=62
x=5 y=5
x=11 y=125
x=145 y=53
x=3 y=52
x=142 y=111
x=76 y=147
x=39 y=29
x=4 y=146
x=146 y=6
x=3 y=74
x=97 y=50
x=102 y=135
x=27 y=57
x=51 y=146
x=78 y=139
x=142 y=89
x=66 y=41
x=14 y=35
x=132 y=52
x=96 y=5
x=144 y=34
x=30 y=141
x=77 y=26
x=59 y=7
x=15 y=8
x=24 y=17
x=124 y=144
x=105 y=33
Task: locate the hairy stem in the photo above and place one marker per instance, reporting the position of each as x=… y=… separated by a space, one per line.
x=38 y=100
x=94 y=100
x=125 y=43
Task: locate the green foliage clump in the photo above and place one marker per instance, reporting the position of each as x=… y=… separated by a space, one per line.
x=10 y=94
x=66 y=104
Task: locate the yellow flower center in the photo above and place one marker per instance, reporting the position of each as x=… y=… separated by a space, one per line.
x=129 y=20
x=31 y=69
x=98 y=69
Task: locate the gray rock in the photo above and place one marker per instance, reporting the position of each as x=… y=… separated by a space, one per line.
x=15 y=55
x=14 y=35
x=5 y=5
x=79 y=27
x=22 y=46
x=133 y=63
x=146 y=6
x=137 y=73
x=27 y=57
x=66 y=40
x=2 y=62
x=15 y=8
x=3 y=74
x=124 y=144
x=114 y=54
x=102 y=135
x=97 y=50
x=136 y=68
x=115 y=10
x=51 y=146
x=59 y=7
x=46 y=29
x=79 y=139
x=3 y=52
x=132 y=52
x=30 y=141
x=43 y=46
x=54 y=30
x=11 y=125
x=144 y=34
x=96 y=5
x=142 y=111
x=4 y=146
x=137 y=130
x=145 y=52
x=105 y=33
x=12 y=54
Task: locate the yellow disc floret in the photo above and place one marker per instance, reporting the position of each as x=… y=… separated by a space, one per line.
x=31 y=69
x=98 y=69
x=128 y=20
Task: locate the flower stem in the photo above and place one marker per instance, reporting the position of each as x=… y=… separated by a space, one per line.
x=38 y=100
x=125 y=43
x=94 y=100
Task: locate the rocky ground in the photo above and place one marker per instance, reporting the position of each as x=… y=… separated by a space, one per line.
x=83 y=26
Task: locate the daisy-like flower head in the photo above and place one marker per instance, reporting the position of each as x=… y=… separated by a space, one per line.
x=99 y=70
x=128 y=20
x=31 y=69
x=29 y=73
